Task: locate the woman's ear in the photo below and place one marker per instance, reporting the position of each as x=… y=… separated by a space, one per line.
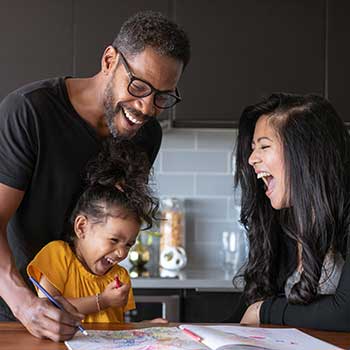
x=81 y=226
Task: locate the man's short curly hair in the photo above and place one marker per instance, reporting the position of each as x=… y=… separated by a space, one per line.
x=153 y=29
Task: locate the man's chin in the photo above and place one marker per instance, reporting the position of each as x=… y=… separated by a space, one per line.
x=127 y=131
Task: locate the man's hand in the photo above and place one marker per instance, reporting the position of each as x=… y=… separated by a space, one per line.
x=251 y=316
x=44 y=320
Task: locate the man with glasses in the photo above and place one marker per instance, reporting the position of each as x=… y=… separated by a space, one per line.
x=48 y=132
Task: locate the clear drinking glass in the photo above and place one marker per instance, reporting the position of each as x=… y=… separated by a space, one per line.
x=234 y=250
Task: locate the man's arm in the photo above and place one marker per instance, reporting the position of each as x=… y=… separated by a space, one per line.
x=39 y=316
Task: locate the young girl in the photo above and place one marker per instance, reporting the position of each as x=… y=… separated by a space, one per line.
x=293 y=167
x=104 y=226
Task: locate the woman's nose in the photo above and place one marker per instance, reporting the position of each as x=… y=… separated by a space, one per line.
x=253 y=158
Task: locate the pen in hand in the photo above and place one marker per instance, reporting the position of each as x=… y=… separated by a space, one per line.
x=53 y=300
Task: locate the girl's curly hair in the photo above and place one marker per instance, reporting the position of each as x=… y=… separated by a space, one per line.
x=117 y=183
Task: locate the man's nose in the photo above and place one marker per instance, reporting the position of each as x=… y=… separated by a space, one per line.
x=146 y=105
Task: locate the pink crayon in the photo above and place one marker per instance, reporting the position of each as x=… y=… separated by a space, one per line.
x=117 y=282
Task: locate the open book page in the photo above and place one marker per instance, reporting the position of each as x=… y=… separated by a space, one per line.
x=154 y=338
x=219 y=337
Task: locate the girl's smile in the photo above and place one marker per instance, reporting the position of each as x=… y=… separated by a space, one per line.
x=99 y=246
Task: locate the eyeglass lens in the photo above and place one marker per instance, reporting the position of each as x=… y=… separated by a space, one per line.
x=139 y=88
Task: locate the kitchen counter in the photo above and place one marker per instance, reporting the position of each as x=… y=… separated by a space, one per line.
x=201 y=280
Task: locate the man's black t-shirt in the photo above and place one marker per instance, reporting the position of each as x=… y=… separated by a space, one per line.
x=44 y=147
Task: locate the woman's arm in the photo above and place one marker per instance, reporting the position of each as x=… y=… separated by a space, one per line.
x=327 y=312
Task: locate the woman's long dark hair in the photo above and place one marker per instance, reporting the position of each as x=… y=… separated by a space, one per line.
x=117 y=183
x=316 y=148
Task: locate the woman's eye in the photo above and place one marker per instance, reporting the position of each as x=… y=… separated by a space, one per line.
x=264 y=147
x=114 y=240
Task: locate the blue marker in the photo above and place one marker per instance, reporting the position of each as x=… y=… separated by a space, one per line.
x=53 y=300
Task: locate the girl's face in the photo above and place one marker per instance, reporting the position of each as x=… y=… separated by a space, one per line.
x=100 y=246
x=268 y=162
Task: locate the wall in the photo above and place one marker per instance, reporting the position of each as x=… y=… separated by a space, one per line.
x=196 y=165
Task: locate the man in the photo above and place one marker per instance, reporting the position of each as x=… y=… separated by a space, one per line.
x=50 y=129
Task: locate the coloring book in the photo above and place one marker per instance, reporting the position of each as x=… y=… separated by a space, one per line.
x=197 y=337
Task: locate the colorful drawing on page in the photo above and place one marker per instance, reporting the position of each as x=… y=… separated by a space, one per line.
x=273 y=337
x=155 y=338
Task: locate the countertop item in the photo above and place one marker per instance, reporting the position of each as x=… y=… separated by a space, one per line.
x=208 y=280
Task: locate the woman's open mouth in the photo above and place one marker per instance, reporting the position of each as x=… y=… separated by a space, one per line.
x=268 y=181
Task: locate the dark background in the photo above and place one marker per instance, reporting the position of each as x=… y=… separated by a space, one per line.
x=242 y=50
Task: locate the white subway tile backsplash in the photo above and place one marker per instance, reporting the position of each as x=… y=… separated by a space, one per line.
x=196 y=164
x=175 y=185
x=211 y=231
x=179 y=139
x=214 y=185
x=209 y=208
x=220 y=139
x=194 y=161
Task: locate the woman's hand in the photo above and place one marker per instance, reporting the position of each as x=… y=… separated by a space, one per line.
x=251 y=316
x=157 y=320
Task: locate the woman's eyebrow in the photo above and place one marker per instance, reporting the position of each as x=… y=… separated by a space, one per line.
x=263 y=138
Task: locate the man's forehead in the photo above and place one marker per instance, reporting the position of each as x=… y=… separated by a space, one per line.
x=156 y=68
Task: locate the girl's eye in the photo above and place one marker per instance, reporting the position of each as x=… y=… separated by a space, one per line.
x=264 y=147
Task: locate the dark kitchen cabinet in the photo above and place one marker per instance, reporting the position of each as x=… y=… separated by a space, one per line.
x=189 y=305
x=242 y=50
x=245 y=49
x=97 y=24
x=36 y=41
x=211 y=307
x=338 y=67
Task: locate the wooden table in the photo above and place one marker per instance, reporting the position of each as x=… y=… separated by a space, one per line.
x=13 y=336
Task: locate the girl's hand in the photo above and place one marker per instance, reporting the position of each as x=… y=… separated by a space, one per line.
x=113 y=296
x=251 y=316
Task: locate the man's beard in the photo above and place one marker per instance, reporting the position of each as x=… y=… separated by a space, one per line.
x=111 y=112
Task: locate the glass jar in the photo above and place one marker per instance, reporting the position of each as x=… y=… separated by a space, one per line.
x=172 y=231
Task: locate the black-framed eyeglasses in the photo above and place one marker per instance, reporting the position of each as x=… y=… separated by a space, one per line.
x=141 y=88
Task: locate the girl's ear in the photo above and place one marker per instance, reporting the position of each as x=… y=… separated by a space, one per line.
x=81 y=226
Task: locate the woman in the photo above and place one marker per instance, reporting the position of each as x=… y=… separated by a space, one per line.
x=293 y=166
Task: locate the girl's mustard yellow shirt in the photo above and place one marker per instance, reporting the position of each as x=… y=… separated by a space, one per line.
x=66 y=273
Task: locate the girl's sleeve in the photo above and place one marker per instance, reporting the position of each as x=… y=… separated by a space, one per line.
x=53 y=262
x=327 y=312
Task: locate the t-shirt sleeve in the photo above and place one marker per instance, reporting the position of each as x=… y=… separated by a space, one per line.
x=18 y=145
x=149 y=138
x=327 y=312
x=125 y=279
x=52 y=261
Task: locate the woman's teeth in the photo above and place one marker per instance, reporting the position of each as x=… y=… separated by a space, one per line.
x=130 y=117
x=263 y=174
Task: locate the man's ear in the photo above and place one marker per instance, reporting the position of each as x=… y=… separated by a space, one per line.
x=109 y=59
x=81 y=226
